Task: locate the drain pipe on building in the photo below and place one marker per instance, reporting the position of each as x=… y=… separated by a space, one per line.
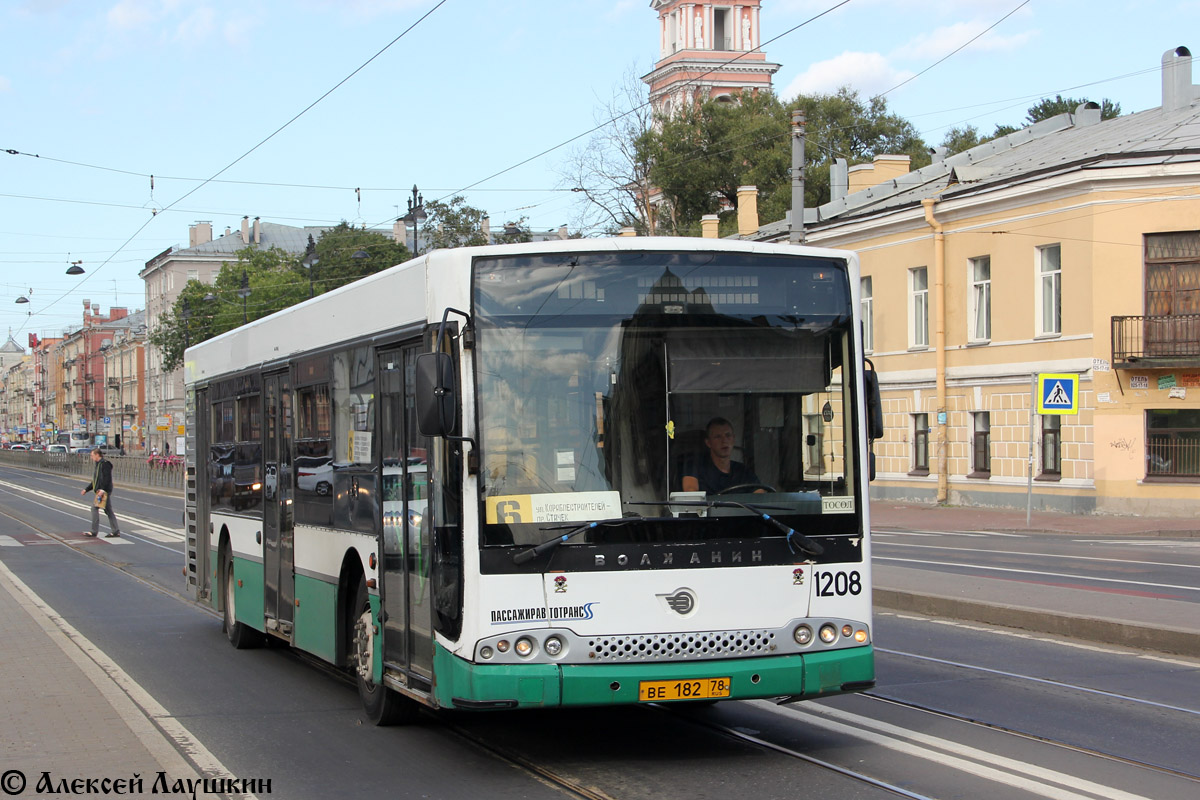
x=939 y=291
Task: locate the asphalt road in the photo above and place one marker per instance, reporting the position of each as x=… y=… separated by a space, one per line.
x=1154 y=567
x=961 y=710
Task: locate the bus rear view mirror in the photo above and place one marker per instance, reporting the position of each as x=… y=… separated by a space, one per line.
x=874 y=405
x=437 y=401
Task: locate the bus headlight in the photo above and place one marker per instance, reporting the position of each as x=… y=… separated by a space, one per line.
x=523 y=647
x=860 y=636
x=485 y=652
x=803 y=635
x=553 y=646
x=828 y=633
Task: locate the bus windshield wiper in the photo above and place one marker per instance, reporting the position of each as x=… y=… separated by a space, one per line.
x=550 y=544
x=795 y=540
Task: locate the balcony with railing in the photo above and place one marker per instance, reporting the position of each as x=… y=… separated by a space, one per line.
x=1162 y=341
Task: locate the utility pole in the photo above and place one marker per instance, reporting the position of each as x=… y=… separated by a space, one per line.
x=799 y=141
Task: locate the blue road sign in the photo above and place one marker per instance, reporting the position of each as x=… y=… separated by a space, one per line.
x=1058 y=394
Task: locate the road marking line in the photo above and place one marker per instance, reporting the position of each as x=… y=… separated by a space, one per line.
x=162 y=734
x=75 y=504
x=1044 y=681
x=973 y=761
x=8 y=541
x=1036 y=572
x=1121 y=561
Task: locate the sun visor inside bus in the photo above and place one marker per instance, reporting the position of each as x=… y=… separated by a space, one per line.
x=753 y=360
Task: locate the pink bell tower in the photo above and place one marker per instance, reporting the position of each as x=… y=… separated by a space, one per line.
x=707 y=50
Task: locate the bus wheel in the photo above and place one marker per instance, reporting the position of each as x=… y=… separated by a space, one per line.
x=382 y=705
x=240 y=635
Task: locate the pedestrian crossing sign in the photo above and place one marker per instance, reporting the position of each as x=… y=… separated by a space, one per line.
x=1058 y=394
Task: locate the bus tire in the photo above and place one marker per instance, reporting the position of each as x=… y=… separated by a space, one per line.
x=383 y=706
x=240 y=635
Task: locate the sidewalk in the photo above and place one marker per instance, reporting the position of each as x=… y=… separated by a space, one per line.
x=63 y=714
x=1045 y=604
x=914 y=516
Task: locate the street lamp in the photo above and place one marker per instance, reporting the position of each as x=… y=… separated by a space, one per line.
x=75 y=268
x=415 y=216
x=244 y=292
x=186 y=313
x=310 y=262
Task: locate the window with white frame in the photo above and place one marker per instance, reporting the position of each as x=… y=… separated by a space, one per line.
x=868 y=317
x=980 y=312
x=918 y=307
x=1049 y=289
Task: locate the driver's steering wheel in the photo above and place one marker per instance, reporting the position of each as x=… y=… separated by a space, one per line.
x=729 y=489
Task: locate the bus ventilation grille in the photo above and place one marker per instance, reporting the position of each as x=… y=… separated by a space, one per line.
x=677 y=646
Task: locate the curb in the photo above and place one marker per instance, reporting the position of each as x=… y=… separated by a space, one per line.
x=1103 y=631
x=1161 y=533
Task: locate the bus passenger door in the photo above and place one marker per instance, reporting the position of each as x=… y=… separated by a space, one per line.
x=408 y=627
x=278 y=531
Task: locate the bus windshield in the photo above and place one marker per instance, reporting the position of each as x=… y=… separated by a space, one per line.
x=648 y=384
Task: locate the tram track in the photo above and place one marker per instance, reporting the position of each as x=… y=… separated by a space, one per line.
x=1033 y=737
x=878 y=696
x=773 y=747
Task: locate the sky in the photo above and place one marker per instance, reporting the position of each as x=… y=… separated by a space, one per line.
x=292 y=106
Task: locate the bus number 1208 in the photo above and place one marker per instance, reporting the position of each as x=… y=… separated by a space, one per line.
x=837 y=584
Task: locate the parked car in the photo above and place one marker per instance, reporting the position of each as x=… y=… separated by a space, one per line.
x=82 y=450
x=19 y=446
x=56 y=448
x=37 y=448
x=314 y=474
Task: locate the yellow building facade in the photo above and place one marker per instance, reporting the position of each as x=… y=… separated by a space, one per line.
x=1072 y=248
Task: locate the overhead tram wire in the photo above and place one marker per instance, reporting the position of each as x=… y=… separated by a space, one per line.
x=272 y=184
x=231 y=164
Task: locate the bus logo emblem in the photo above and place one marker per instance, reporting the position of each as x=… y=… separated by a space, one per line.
x=682 y=602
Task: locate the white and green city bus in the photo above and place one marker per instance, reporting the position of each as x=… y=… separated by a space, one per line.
x=463 y=479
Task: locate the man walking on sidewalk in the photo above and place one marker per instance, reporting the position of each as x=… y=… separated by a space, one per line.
x=102 y=484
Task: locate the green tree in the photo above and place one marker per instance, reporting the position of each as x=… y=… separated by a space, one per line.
x=456 y=224
x=843 y=125
x=701 y=155
x=276 y=279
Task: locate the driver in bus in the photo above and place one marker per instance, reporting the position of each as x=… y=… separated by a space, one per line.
x=718 y=471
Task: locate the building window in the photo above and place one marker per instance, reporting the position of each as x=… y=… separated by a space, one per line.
x=1051 y=447
x=920 y=449
x=918 y=292
x=1049 y=289
x=193 y=275
x=981 y=461
x=1173 y=443
x=868 y=317
x=1172 y=274
x=980 y=314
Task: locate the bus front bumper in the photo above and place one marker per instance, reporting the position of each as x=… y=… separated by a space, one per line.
x=463 y=685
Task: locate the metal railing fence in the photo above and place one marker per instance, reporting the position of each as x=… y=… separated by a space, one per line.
x=127 y=470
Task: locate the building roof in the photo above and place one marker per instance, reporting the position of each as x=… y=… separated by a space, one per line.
x=1059 y=145
x=11 y=346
